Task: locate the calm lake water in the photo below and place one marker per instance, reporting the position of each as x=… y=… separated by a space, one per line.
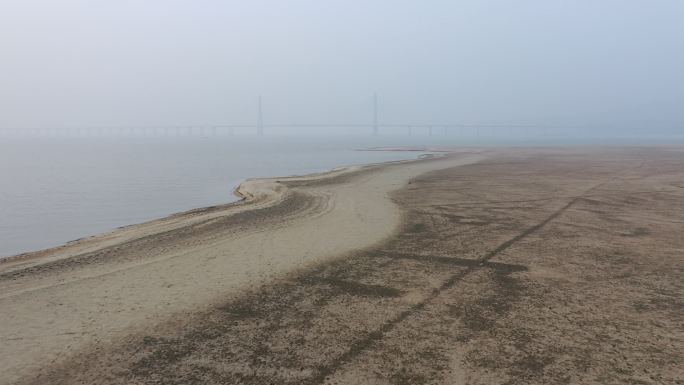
x=53 y=190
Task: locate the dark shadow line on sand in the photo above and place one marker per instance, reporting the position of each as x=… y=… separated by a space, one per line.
x=376 y=335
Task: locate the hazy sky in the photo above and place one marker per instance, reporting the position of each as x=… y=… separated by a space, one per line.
x=132 y=62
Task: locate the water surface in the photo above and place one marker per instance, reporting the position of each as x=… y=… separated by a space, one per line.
x=59 y=189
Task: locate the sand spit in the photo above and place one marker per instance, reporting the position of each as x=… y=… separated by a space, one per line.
x=97 y=291
x=532 y=266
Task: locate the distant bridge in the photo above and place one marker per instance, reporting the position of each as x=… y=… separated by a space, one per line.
x=374 y=127
x=264 y=129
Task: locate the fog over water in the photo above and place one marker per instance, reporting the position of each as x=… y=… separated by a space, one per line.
x=117 y=112
x=611 y=65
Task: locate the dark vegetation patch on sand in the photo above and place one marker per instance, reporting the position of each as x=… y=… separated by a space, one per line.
x=532 y=268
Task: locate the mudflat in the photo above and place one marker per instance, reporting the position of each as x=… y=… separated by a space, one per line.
x=509 y=266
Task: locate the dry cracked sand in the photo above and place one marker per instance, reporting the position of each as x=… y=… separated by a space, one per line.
x=518 y=266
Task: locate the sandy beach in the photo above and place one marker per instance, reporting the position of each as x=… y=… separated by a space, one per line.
x=508 y=265
x=342 y=193
x=97 y=290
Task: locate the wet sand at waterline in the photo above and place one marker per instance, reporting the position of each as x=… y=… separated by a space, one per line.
x=556 y=265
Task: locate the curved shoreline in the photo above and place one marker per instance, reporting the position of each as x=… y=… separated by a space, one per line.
x=261 y=191
x=101 y=289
